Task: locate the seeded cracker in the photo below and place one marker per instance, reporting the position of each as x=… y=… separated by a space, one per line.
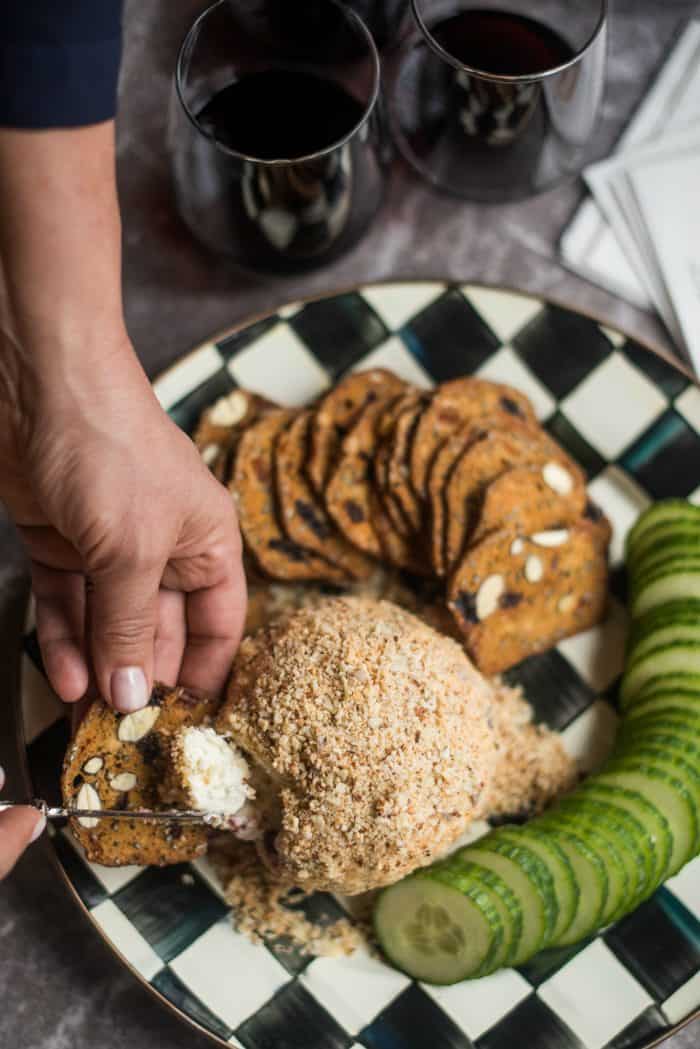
x=481 y=463
x=454 y=405
x=117 y=761
x=397 y=477
x=221 y=426
x=338 y=412
x=349 y=492
x=303 y=515
x=513 y=596
x=525 y=500
x=445 y=460
x=253 y=488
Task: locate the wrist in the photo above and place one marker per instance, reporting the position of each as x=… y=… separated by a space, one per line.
x=90 y=380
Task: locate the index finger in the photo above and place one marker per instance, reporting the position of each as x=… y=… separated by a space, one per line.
x=215 y=617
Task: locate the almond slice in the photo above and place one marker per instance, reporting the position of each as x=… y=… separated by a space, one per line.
x=134 y=727
x=88 y=798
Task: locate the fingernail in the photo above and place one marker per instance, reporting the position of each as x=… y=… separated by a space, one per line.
x=39 y=828
x=2 y=777
x=128 y=689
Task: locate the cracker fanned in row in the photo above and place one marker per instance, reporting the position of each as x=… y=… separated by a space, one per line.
x=481 y=463
x=532 y=499
x=338 y=412
x=397 y=540
x=221 y=426
x=454 y=405
x=350 y=495
x=447 y=456
x=253 y=487
x=302 y=514
x=117 y=761
x=514 y=596
x=397 y=479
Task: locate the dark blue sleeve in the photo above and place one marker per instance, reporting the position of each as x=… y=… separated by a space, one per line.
x=59 y=62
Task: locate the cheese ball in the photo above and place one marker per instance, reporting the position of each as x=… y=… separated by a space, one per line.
x=376 y=733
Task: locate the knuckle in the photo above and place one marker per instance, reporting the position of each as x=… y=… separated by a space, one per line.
x=125 y=632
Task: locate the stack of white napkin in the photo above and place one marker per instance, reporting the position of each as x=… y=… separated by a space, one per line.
x=640 y=234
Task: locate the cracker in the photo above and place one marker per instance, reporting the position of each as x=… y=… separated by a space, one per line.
x=514 y=596
x=350 y=490
x=221 y=425
x=397 y=550
x=338 y=412
x=522 y=499
x=117 y=761
x=398 y=481
x=494 y=452
x=386 y=430
x=442 y=465
x=453 y=406
x=302 y=514
x=253 y=487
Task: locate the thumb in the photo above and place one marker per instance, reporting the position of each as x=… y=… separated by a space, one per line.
x=19 y=826
x=121 y=625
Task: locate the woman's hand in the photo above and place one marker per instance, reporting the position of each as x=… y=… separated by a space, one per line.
x=135 y=549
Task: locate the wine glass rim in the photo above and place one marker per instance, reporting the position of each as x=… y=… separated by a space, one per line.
x=278 y=161
x=504 y=78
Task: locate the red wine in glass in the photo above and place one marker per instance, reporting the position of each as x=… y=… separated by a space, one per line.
x=494 y=104
x=278 y=145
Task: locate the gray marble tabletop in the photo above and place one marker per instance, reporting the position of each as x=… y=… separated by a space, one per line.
x=61 y=987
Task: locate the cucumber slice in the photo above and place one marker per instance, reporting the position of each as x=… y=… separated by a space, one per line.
x=648 y=815
x=667 y=793
x=675 y=657
x=665 y=564
x=681 y=630
x=676 y=757
x=624 y=830
x=680 y=548
x=436 y=932
x=663 y=683
x=661 y=542
x=530 y=881
x=684 y=610
x=685 y=726
x=619 y=886
x=677 y=705
x=591 y=877
x=668 y=512
x=463 y=876
x=674 y=579
x=559 y=865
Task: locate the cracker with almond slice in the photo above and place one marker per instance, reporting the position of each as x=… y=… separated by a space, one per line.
x=494 y=452
x=117 y=761
x=221 y=425
x=532 y=499
x=513 y=596
x=443 y=463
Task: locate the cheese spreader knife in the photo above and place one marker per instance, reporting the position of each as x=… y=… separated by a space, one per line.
x=54 y=812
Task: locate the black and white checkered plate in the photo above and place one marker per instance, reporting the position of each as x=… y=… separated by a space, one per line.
x=633 y=422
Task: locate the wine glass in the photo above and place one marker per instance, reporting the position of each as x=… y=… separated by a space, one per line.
x=278 y=149
x=499 y=101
